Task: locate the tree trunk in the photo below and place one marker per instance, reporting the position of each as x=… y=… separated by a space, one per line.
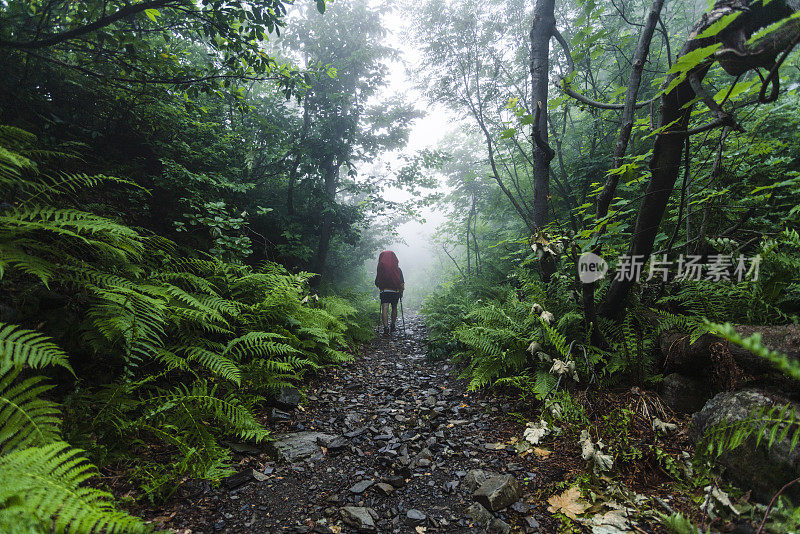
x=736 y=57
x=293 y=172
x=542 y=29
x=621 y=147
x=326 y=227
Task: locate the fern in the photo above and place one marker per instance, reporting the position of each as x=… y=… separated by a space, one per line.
x=786 y=365
x=766 y=424
x=679 y=524
x=19 y=347
x=45 y=482
x=25 y=419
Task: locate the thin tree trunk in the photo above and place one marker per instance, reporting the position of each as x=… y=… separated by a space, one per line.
x=326 y=227
x=542 y=29
x=293 y=172
x=621 y=147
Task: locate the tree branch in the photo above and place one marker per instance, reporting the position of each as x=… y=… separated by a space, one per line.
x=131 y=9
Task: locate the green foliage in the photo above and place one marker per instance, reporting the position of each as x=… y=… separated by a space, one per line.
x=173 y=351
x=41 y=488
x=41 y=476
x=493 y=331
x=788 y=366
x=679 y=524
x=767 y=425
x=19 y=347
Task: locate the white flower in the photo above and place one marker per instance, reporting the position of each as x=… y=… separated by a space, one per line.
x=547 y=317
x=537 y=309
x=534 y=347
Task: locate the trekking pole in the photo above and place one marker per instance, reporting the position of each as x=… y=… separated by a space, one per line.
x=402 y=316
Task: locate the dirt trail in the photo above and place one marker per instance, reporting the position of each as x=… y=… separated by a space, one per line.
x=402 y=438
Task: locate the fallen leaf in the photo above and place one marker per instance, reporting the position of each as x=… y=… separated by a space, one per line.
x=542 y=453
x=568 y=503
x=421 y=530
x=536 y=431
x=661 y=426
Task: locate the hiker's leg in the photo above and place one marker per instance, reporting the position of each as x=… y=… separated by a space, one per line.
x=394 y=312
x=385 y=313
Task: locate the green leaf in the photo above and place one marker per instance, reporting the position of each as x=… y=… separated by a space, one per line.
x=690 y=60
x=508 y=134
x=718 y=26
x=321 y=6
x=152 y=14
x=687 y=62
x=738 y=89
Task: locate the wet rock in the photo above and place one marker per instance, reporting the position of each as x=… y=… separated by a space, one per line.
x=450 y=487
x=384 y=488
x=521 y=507
x=279 y=415
x=288 y=398
x=334 y=446
x=475 y=477
x=296 y=446
x=242 y=478
x=479 y=514
x=764 y=470
x=531 y=525
x=498 y=526
x=358 y=517
x=361 y=487
x=498 y=492
x=684 y=394
x=415 y=517
x=397 y=481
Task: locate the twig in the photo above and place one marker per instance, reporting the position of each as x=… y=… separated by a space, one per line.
x=766 y=514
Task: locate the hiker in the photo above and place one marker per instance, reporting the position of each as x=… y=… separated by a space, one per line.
x=391 y=284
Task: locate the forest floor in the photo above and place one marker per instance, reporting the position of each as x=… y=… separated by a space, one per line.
x=393 y=440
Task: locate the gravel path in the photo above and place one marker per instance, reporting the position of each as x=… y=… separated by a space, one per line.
x=389 y=443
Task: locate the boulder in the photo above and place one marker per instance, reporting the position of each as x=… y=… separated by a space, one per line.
x=684 y=394
x=498 y=492
x=359 y=518
x=475 y=477
x=758 y=468
x=295 y=446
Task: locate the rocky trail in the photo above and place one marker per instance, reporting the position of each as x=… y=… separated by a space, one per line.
x=391 y=442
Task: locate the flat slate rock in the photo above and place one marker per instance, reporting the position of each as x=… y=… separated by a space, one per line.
x=295 y=446
x=359 y=517
x=361 y=487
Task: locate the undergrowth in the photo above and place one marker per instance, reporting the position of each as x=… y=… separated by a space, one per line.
x=160 y=353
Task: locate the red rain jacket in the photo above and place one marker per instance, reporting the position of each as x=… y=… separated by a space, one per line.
x=389 y=274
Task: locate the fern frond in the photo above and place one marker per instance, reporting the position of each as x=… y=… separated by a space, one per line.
x=19 y=347
x=45 y=482
x=25 y=419
x=788 y=366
